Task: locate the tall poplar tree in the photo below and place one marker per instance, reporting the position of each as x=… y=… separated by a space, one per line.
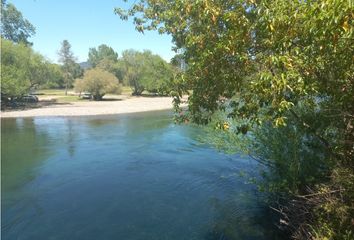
x=69 y=67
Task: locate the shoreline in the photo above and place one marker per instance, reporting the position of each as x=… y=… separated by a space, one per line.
x=93 y=108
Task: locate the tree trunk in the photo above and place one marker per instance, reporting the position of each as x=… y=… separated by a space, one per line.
x=66 y=89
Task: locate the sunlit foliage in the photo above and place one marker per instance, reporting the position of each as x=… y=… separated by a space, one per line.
x=98 y=83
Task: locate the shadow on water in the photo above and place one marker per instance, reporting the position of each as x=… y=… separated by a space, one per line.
x=254 y=217
x=142 y=121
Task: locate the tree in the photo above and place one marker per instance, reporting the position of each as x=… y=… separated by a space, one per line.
x=110 y=66
x=146 y=71
x=70 y=68
x=103 y=52
x=133 y=68
x=98 y=82
x=159 y=74
x=55 y=78
x=77 y=71
x=13 y=26
x=223 y=48
x=22 y=69
x=178 y=62
x=262 y=61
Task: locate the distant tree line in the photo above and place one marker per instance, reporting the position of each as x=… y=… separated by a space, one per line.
x=142 y=71
x=24 y=70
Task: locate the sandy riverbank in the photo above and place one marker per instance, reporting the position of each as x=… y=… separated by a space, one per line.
x=129 y=105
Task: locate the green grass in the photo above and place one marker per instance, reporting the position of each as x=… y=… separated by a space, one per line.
x=56 y=92
x=69 y=98
x=60 y=97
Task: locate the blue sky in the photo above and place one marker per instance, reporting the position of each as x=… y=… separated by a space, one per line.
x=86 y=24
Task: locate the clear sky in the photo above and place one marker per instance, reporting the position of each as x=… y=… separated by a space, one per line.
x=85 y=24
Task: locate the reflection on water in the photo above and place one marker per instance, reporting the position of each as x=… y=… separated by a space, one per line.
x=23 y=148
x=134 y=176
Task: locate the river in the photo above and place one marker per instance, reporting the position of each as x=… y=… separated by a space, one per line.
x=134 y=176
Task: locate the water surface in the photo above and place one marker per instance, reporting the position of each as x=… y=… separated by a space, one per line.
x=135 y=176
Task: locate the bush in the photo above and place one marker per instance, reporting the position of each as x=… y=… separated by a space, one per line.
x=98 y=82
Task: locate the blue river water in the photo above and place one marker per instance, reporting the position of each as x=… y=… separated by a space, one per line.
x=134 y=176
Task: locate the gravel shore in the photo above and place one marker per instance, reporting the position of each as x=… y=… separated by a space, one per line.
x=129 y=105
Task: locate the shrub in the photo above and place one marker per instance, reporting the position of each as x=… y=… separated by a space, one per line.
x=98 y=82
